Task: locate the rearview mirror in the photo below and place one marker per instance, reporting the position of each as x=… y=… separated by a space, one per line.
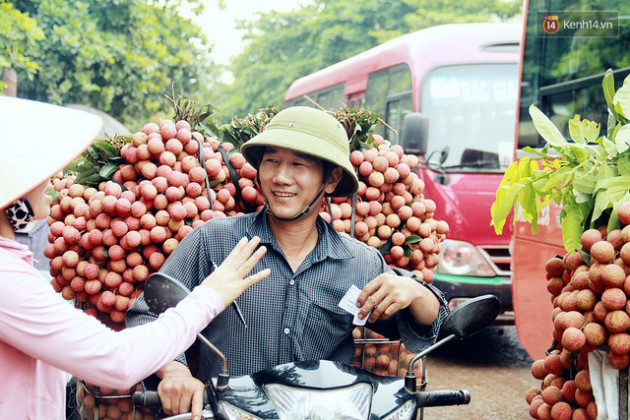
x=162 y=291
x=414 y=133
x=471 y=316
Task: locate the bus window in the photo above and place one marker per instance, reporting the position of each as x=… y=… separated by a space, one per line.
x=331 y=98
x=389 y=94
x=471 y=109
x=563 y=75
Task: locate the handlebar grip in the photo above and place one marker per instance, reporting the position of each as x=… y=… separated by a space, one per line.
x=149 y=399
x=442 y=398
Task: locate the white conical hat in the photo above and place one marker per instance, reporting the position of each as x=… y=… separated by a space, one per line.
x=37 y=140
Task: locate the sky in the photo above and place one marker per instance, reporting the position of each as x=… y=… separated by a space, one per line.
x=219 y=24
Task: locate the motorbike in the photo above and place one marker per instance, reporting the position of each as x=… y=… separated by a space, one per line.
x=319 y=389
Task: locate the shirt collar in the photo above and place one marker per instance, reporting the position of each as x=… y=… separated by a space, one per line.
x=16 y=248
x=329 y=245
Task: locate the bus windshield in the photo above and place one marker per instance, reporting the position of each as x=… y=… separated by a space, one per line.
x=471 y=109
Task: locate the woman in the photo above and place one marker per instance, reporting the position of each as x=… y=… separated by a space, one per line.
x=41 y=335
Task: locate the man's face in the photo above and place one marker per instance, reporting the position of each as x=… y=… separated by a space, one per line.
x=289 y=180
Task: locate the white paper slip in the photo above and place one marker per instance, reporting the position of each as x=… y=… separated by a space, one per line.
x=349 y=304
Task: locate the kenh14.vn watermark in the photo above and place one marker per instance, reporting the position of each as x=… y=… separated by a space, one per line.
x=572 y=24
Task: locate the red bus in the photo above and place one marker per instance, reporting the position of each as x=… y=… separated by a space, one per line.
x=461 y=79
x=562 y=75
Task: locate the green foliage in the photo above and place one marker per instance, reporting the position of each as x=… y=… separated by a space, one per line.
x=19 y=33
x=240 y=130
x=99 y=161
x=589 y=177
x=120 y=56
x=285 y=46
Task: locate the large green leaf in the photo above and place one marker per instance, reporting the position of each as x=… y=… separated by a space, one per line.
x=622 y=139
x=622 y=97
x=572 y=227
x=608 y=85
x=108 y=170
x=610 y=190
x=546 y=128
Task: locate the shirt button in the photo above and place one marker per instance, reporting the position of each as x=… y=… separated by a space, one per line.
x=287 y=331
x=291 y=282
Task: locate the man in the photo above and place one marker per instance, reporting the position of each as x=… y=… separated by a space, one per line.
x=302 y=155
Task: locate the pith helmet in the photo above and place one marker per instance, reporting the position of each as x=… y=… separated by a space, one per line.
x=310 y=131
x=37 y=140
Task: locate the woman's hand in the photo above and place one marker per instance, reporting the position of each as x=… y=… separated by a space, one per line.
x=228 y=279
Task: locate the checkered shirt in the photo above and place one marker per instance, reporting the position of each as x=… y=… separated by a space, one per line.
x=290 y=316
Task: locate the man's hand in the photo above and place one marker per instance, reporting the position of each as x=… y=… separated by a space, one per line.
x=388 y=293
x=179 y=391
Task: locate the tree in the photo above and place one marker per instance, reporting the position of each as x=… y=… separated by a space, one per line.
x=282 y=47
x=120 y=56
x=19 y=33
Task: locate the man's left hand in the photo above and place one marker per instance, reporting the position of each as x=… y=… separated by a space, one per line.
x=386 y=295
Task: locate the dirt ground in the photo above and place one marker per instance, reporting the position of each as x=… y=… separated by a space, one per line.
x=493 y=366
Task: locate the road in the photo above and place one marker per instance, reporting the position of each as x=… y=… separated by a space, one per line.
x=493 y=366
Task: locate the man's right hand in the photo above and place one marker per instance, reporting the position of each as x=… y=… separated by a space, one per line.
x=179 y=390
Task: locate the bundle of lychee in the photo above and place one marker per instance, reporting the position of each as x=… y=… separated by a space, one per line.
x=589 y=291
x=374 y=352
x=133 y=201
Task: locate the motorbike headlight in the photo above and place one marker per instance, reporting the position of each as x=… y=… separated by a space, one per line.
x=463 y=259
x=404 y=412
x=235 y=413
x=351 y=403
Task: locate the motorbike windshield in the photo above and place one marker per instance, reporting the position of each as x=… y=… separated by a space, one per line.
x=472 y=111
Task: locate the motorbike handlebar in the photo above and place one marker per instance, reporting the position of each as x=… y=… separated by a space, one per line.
x=442 y=398
x=149 y=399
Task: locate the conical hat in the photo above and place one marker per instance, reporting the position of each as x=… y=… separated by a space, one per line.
x=37 y=140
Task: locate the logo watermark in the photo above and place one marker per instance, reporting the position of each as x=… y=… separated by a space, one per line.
x=574 y=24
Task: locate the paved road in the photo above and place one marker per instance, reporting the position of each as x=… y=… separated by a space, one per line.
x=493 y=366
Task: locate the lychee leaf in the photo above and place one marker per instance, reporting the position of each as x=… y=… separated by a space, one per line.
x=108 y=170
x=622 y=97
x=412 y=239
x=623 y=166
x=572 y=228
x=613 y=220
x=608 y=86
x=546 y=128
x=622 y=139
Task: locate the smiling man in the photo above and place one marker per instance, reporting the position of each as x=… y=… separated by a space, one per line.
x=301 y=156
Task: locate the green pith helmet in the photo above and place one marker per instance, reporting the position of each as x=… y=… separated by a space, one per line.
x=310 y=131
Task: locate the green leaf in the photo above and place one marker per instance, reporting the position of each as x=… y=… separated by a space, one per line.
x=608 y=85
x=623 y=166
x=580 y=152
x=609 y=191
x=611 y=124
x=540 y=153
x=546 y=128
x=622 y=139
x=575 y=130
x=108 y=170
x=585 y=183
x=613 y=219
x=505 y=198
x=622 y=97
x=552 y=180
x=412 y=239
x=610 y=147
x=110 y=149
x=572 y=228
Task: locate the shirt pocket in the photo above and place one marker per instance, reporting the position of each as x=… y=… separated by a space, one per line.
x=327 y=329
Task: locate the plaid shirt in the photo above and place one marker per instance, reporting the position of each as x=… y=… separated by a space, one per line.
x=290 y=316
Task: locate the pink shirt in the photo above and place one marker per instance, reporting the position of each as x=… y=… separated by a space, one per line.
x=42 y=336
